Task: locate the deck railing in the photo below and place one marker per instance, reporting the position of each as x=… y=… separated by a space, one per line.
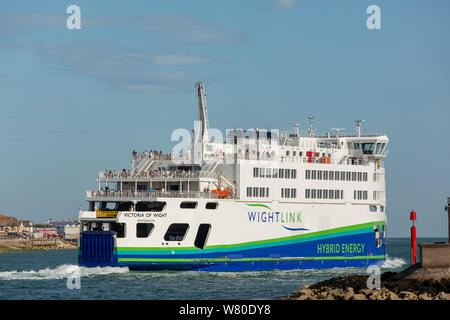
x=154 y=194
x=152 y=175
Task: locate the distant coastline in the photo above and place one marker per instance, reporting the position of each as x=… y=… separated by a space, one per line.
x=7 y=245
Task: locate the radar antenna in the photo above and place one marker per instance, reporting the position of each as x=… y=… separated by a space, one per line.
x=337 y=131
x=358 y=127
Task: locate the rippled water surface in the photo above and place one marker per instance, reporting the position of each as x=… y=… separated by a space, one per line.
x=44 y=275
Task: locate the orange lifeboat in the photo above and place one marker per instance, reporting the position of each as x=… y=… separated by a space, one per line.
x=326 y=160
x=221 y=193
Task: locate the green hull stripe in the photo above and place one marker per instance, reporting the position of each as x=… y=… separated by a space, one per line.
x=348 y=230
x=164 y=260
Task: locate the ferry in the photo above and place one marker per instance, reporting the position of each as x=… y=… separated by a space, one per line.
x=252 y=199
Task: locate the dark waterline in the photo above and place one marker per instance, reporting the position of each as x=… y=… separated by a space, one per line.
x=44 y=275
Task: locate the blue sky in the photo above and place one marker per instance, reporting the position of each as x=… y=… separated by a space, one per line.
x=75 y=102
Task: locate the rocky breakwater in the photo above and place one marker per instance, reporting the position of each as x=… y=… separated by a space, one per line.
x=392 y=288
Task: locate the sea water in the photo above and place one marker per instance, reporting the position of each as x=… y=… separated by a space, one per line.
x=46 y=275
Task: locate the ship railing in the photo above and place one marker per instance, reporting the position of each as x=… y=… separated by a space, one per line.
x=157 y=174
x=147 y=155
x=309 y=160
x=155 y=194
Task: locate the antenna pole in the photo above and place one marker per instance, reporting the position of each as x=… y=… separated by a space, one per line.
x=358 y=127
x=310 y=121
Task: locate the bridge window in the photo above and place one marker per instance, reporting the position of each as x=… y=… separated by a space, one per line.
x=143 y=230
x=368 y=148
x=176 y=232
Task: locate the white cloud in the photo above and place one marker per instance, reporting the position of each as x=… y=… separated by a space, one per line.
x=286 y=4
x=176 y=59
x=120 y=68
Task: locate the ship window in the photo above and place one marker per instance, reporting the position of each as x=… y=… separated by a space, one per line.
x=319 y=175
x=176 y=232
x=348 y=176
x=307 y=174
x=287 y=173
x=119 y=228
x=377 y=150
x=249 y=191
x=214 y=205
x=336 y=175
x=307 y=193
x=331 y=194
x=262 y=192
x=202 y=236
x=313 y=174
x=262 y=172
x=325 y=175
x=255 y=172
x=255 y=191
x=124 y=206
x=325 y=194
x=365 y=176
x=157 y=206
x=275 y=172
x=281 y=173
x=353 y=176
x=373 y=208
x=188 y=205
x=368 y=148
x=143 y=230
x=294 y=173
x=313 y=193
x=342 y=176
x=105 y=206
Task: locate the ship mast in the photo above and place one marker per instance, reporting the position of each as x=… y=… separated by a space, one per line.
x=202 y=114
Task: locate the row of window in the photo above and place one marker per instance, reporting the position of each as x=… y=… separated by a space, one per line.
x=262 y=192
x=324 y=194
x=335 y=175
x=175 y=232
x=288 y=193
x=360 y=195
x=274 y=173
x=144 y=206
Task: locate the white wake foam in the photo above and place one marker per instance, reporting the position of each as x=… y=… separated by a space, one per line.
x=60 y=272
x=393 y=263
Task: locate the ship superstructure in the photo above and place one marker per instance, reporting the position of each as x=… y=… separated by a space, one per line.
x=254 y=199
